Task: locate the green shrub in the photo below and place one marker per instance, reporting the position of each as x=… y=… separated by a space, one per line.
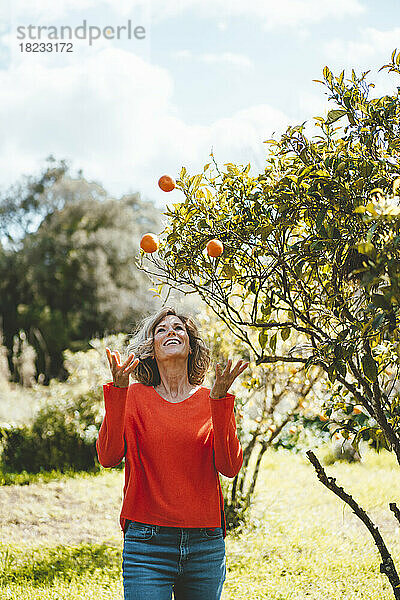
x=62 y=433
x=62 y=436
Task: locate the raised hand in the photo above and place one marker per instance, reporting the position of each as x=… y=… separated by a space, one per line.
x=224 y=380
x=120 y=372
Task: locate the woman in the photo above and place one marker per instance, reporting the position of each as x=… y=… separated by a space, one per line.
x=176 y=435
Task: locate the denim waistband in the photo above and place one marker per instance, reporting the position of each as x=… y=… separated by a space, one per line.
x=168 y=528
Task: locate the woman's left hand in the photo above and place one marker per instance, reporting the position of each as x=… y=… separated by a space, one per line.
x=224 y=380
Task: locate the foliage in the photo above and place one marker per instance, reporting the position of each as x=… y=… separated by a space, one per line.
x=28 y=202
x=64 y=428
x=71 y=276
x=62 y=436
x=311 y=248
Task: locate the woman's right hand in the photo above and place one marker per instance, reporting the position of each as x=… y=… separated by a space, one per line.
x=120 y=372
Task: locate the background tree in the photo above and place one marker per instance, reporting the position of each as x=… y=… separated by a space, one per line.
x=72 y=277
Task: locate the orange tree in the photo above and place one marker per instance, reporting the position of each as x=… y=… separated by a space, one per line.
x=311 y=248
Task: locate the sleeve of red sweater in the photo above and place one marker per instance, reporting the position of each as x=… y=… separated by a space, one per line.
x=228 y=453
x=110 y=444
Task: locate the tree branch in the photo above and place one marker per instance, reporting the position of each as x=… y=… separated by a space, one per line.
x=395 y=510
x=273 y=359
x=387 y=565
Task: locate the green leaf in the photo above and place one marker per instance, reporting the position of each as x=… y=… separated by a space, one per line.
x=263 y=338
x=208 y=194
x=196 y=180
x=331 y=373
x=272 y=342
x=202 y=224
x=377 y=322
x=335 y=115
x=340 y=367
x=370 y=368
x=366 y=248
x=229 y=270
x=265 y=231
x=327 y=73
x=381 y=301
x=320 y=218
x=285 y=333
x=266 y=309
x=299 y=267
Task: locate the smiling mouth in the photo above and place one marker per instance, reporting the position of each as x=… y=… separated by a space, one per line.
x=172 y=343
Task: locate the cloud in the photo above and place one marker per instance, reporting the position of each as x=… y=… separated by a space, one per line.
x=223 y=58
x=370 y=51
x=99 y=108
x=372 y=44
x=41 y=9
x=112 y=115
x=237 y=60
x=183 y=54
x=270 y=14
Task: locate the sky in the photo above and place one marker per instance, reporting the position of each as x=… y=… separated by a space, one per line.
x=200 y=76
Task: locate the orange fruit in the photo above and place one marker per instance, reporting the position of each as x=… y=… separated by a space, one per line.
x=166 y=183
x=215 y=248
x=149 y=242
x=356 y=410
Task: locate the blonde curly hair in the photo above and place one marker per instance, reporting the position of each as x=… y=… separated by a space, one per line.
x=142 y=345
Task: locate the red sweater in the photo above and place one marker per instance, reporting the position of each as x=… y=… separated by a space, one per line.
x=173 y=453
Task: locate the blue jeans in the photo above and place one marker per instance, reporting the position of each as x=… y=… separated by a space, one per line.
x=156 y=560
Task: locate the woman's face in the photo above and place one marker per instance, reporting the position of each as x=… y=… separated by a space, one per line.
x=171 y=339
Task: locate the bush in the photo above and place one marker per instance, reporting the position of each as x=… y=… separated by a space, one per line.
x=62 y=436
x=62 y=433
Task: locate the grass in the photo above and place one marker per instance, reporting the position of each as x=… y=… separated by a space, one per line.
x=62 y=539
x=25 y=478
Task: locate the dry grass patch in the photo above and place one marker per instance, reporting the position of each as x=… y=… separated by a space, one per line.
x=65 y=512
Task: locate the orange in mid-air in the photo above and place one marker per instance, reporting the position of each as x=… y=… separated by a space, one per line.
x=166 y=183
x=215 y=248
x=149 y=242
